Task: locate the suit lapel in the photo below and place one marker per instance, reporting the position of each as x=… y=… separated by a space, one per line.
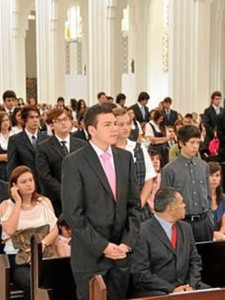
x=56 y=146
x=27 y=142
x=160 y=233
x=96 y=167
x=119 y=179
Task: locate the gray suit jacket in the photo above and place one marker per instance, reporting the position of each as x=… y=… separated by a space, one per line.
x=91 y=211
x=158 y=266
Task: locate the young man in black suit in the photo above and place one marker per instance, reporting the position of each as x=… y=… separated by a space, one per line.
x=170 y=115
x=211 y=116
x=51 y=152
x=102 y=210
x=165 y=259
x=140 y=109
x=9 y=103
x=22 y=146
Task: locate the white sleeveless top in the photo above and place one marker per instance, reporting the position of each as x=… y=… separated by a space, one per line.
x=40 y=214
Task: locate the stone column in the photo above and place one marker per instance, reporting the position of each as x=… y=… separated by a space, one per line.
x=50 y=51
x=217 y=45
x=189 y=75
x=13 y=23
x=96 y=70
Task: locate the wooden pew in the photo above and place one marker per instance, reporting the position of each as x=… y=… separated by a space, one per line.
x=52 y=278
x=98 y=292
x=97 y=288
x=213 y=262
x=4 y=277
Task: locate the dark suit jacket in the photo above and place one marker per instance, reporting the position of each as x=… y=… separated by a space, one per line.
x=210 y=119
x=3 y=190
x=21 y=152
x=172 y=119
x=80 y=134
x=138 y=113
x=91 y=211
x=49 y=164
x=158 y=266
x=221 y=135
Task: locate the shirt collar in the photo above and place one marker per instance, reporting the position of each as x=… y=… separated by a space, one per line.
x=67 y=139
x=31 y=134
x=187 y=160
x=99 y=151
x=165 y=224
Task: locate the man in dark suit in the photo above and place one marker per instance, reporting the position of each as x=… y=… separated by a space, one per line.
x=9 y=103
x=81 y=133
x=221 y=137
x=140 y=109
x=102 y=209
x=165 y=259
x=3 y=190
x=211 y=114
x=51 y=152
x=170 y=115
x=22 y=146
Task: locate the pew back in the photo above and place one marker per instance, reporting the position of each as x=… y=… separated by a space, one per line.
x=51 y=277
x=213 y=262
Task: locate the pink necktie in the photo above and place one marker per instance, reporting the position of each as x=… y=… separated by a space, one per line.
x=109 y=172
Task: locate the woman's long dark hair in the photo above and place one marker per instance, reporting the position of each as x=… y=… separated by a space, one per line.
x=213 y=168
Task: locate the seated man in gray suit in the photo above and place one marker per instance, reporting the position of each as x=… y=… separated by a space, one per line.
x=165 y=259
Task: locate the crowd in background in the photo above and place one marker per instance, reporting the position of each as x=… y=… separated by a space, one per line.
x=36 y=137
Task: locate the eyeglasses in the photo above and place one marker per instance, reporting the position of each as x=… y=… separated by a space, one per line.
x=60 y=121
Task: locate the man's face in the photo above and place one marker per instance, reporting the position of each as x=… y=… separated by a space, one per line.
x=156 y=162
x=106 y=132
x=124 y=126
x=166 y=105
x=33 y=121
x=187 y=121
x=217 y=101
x=103 y=99
x=62 y=125
x=190 y=148
x=178 y=207
x=9 y=103
x=144 y=102
x=61 y=104
x=170 y=133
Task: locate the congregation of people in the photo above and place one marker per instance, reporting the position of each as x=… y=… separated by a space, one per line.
x=125 y=191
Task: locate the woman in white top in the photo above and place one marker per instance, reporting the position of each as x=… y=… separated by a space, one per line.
x=5 y=133
x=25 y=209
x=156 y=134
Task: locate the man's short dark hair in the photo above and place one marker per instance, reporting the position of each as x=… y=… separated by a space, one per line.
x=100 y=94
x=216 y=94
x=167 y=100
x=60 y=99
x=143 y=96
x=120 y=97
x=163 y=198
x=90 y=118
x=188 y=115
x=8 y=94
x=186 y=132
x=26 y=110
